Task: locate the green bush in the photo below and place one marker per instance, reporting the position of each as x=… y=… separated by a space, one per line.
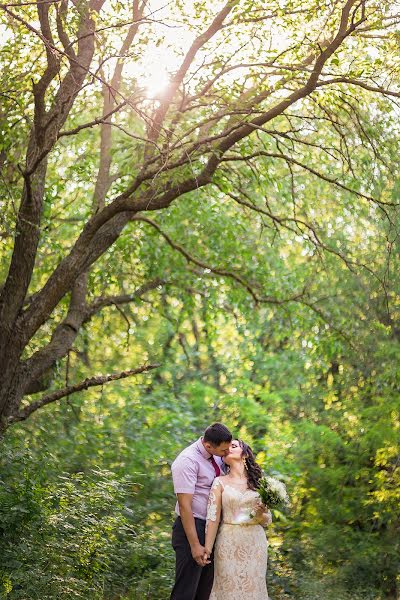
x=75 y=535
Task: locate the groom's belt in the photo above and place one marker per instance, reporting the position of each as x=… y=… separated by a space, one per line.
x=178 y=518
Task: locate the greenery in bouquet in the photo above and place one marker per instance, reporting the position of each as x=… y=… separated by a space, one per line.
x=273 y=492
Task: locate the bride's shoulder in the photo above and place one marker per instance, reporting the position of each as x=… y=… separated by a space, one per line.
x=222 y=479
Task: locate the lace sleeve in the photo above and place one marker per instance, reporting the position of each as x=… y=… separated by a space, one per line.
x=212 y=501
x=214 y=510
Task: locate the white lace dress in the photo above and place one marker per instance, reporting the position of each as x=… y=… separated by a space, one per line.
x=240 y=551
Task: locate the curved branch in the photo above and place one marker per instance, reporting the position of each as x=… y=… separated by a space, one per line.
x=217 y=271
x=345 y=29
x=64 y=335
x=313 y=306
x=103 y=301
x=293 y=161
x=196 y=261
x=357 y=82
x=78 y=387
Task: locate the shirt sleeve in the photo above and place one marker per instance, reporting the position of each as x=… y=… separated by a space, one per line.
x=184 y=475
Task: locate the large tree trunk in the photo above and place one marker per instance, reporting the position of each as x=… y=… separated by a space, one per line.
x=43 y=136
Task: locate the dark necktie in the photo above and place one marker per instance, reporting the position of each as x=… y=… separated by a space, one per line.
x=216 y=467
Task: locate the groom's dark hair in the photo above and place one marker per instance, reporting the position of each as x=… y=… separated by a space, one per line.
x=216 y=434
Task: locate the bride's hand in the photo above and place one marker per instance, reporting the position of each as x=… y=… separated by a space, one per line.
x=266 y=518
x=199 y=554
x=263 y=514
x=260 y=509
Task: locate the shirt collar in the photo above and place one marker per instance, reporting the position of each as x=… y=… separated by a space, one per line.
x=201 y=449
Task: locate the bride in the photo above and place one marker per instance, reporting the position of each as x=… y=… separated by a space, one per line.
x=234 y=506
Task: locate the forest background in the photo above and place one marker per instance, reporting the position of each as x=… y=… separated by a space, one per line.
x=199 y=222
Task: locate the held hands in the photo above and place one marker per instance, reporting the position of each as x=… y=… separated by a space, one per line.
x=200 y=555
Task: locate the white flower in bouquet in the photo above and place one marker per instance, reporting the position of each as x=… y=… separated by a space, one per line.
x=272 y=492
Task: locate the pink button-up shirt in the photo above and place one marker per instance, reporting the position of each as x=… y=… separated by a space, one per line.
x=193 y=473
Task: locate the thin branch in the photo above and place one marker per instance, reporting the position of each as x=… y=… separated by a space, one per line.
x=217 y=271
x=325 y=319
x=196 y=261
x=187 y=61
x=103 y=301
x=289 y=159
x=78 y=387
x=357 y=82
x=19 y=4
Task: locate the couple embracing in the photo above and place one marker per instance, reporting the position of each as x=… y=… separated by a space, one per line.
x=218 y=535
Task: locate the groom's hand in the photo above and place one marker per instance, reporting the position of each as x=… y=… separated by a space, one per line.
x=199 y=554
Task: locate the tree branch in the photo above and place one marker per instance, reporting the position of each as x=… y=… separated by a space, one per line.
x=217 y=271
x=359 y=83
x=78 y=387
x=179 y=76
x=64 y=335
x=344 y=31
x=103 y=301
x=289 y=159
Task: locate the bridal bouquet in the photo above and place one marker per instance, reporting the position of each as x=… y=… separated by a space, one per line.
x=272 y=492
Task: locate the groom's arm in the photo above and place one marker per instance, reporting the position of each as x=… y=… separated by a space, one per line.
x=185 y=510
x=184 y=474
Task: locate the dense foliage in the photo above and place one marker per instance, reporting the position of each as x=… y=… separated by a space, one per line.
x=227 y=247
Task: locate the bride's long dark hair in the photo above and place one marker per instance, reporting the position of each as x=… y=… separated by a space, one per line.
x=252 y=469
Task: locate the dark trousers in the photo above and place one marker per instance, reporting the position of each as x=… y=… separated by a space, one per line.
x=191 y=581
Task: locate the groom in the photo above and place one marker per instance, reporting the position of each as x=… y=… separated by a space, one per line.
x=193 y=472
